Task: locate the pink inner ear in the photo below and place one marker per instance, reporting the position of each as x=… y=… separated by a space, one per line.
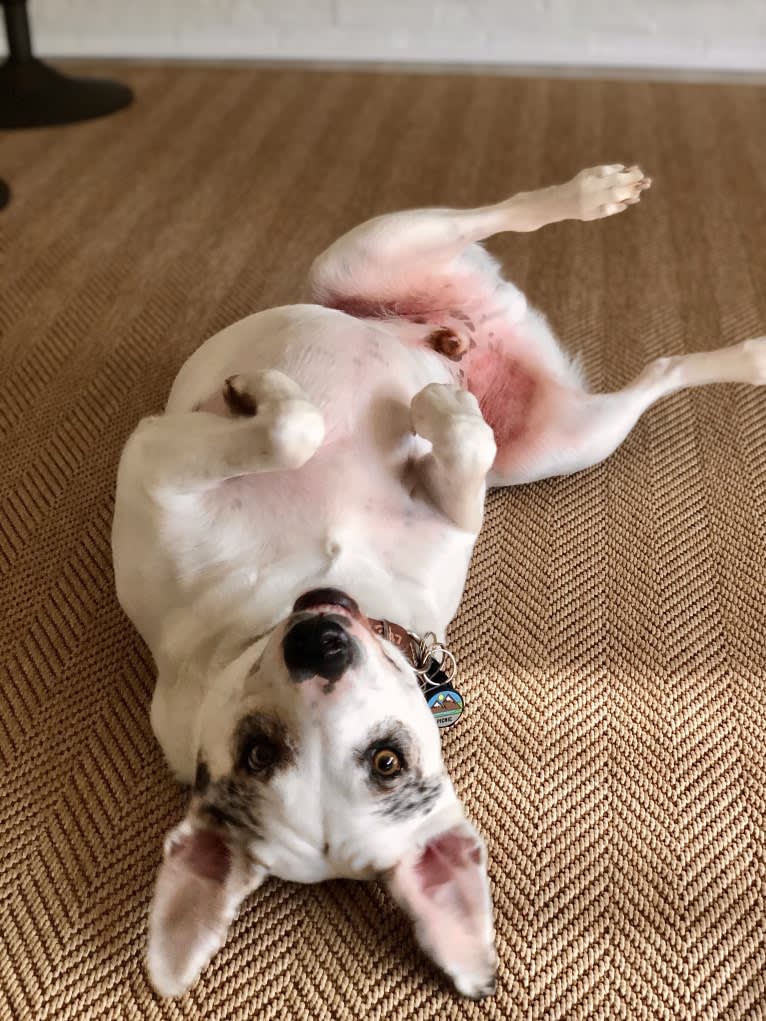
x=444 y=888
x=205 y=854
x=443 y=857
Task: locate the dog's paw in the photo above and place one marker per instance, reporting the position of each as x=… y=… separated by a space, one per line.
x=435 y=406
x=603 y=191
x=451 y=419
x=246 y=393
x=238 y=397
x=754 y=356
x=295 y=425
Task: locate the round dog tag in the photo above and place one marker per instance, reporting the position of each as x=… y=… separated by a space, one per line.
x=446 y=705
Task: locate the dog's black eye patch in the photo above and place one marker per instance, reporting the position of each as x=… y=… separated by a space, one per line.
x=261 y=746
x=405 y=792
x=387 y=763
x=389 y=736
x=201 y=778
x=260 y=755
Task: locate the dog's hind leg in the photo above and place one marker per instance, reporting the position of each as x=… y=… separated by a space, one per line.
x=425 y=262
x=566 y=429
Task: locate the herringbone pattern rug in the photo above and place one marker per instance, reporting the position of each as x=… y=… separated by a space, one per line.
x=612 y=635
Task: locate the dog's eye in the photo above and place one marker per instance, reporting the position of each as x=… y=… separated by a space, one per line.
x=261 y=754
x=386 y=763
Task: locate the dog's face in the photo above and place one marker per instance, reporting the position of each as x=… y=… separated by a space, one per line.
x=319 y=758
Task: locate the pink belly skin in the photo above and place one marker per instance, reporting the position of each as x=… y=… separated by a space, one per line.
x=506 y=390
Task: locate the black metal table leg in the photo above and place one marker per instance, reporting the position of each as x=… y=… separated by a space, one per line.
x=32 y=94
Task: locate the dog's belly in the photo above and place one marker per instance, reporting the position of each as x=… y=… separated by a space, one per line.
x=359 y=372
x=349 y=517
x=355 y=491
x=240 y=554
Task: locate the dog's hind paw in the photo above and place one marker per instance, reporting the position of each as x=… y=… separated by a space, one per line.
x=603 y=191
x=754 y=355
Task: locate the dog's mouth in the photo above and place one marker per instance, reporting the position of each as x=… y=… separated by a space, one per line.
x=325 y=600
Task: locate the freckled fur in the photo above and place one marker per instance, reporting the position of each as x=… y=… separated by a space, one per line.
x=233 y=801
x=413 y=796
x=256 y=726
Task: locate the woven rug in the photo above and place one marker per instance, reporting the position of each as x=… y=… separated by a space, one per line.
x=611 y=638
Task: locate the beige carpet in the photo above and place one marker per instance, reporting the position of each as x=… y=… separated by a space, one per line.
x=612 y=635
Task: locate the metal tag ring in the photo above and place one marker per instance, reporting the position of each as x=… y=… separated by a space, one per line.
x=423 y=655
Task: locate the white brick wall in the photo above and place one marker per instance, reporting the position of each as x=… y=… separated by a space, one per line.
x=704 y=34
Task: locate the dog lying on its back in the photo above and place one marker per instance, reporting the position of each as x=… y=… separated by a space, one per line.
x=302 y=514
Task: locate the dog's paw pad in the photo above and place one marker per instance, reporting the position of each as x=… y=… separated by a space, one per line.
x=451 y=419
x=604 y=191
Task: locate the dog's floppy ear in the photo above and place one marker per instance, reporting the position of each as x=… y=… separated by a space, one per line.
x=202 y=881
x=443 y=886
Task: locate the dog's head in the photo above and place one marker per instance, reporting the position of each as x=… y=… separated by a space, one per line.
x=319 y=758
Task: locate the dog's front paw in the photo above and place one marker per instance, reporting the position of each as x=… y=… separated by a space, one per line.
x=603 y=191
x=451 y=419
x=247 y=393
x=238 y=397
x=295 y=425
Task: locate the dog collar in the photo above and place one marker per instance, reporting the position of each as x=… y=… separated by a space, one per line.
x=435 y=666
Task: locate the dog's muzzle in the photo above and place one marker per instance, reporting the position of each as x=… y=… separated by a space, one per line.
x=319 y=645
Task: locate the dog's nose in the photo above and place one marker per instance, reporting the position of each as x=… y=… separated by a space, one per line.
x=318 y=647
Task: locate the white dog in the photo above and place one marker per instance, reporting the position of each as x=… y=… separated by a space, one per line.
x=290 y=532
